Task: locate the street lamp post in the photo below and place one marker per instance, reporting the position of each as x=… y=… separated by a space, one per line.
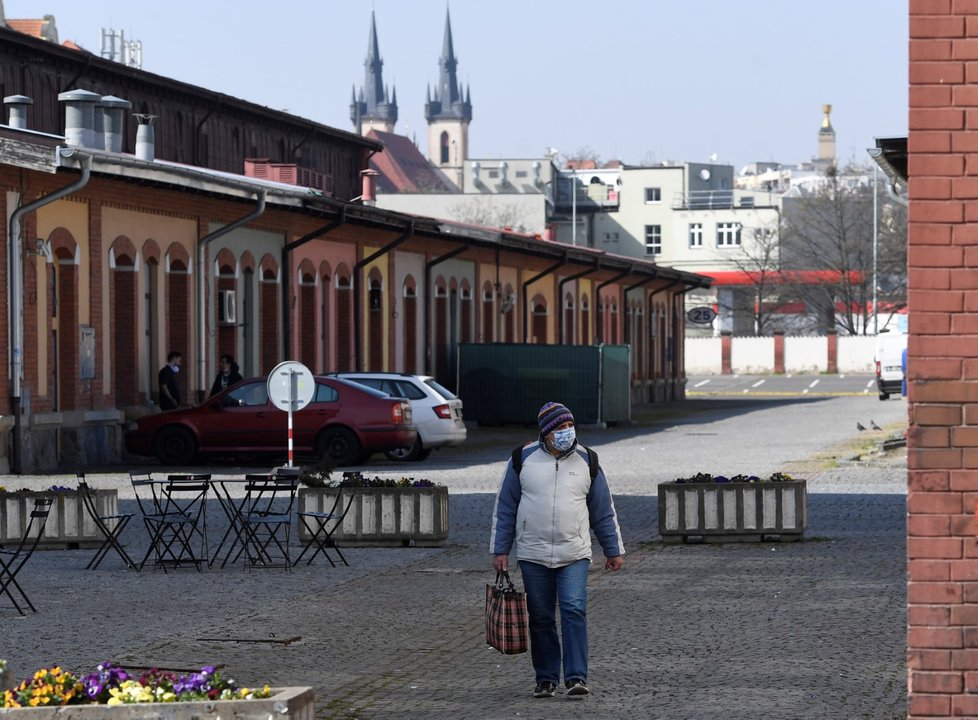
x=876 y=317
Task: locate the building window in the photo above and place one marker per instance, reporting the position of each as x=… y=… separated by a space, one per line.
x=653 y=195
x=653 y=239
x=728 y=234
x=696 y=234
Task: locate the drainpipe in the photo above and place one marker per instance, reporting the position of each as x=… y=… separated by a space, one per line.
x=525 y=291
x=202 y=289
x=428 y=369
x=17 y=291
x=560 y=296
x=287 y=273
x=597 y=299
x=358 y=300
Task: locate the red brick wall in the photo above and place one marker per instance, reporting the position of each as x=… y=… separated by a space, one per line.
x=942 y=554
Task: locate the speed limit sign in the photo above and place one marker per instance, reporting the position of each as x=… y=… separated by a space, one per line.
x=701 y=315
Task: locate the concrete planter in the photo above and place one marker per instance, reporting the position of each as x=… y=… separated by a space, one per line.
x=384 y=517
x=289 y=702
x=68 y=525
x=729 y=512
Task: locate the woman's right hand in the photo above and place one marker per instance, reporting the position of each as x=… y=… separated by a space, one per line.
x=500 y=563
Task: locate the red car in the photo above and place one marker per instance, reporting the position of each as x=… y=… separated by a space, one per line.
x=347 y=421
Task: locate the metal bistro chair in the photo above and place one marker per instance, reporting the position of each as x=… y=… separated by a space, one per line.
x=111 y=527
x=146 y=490
x=183 y=522
x=13 y=561
x=266 y=521
x=322 y=525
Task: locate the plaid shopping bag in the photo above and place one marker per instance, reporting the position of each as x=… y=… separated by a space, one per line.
x=507 y=624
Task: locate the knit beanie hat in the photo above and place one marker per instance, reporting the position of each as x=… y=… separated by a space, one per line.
x=551 y=415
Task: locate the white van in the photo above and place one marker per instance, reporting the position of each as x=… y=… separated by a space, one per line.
x=889 y=362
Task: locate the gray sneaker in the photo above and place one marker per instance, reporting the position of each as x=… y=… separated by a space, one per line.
x=545 y=690
x=577 y=688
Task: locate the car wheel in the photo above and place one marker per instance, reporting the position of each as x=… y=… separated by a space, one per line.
x=415 y=452
x=340 y=444
x=884 y=396
x=175 y=446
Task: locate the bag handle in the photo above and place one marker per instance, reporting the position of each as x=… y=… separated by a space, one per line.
x=503 y=577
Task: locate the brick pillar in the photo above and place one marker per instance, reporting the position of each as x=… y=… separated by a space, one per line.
x=726 y=346
x=832 y=361
x=779 y=352
x=942 y=455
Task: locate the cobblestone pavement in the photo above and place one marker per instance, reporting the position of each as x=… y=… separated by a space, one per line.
x=813 y=629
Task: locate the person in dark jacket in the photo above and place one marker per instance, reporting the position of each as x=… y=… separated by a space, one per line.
x=548 y=508
x=227 y=376
x=169 y=387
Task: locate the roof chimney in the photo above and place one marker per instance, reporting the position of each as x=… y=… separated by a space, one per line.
x=111 y=110
x=79 y=116
x=145 y=137
x=18 y=105
x=368 y=194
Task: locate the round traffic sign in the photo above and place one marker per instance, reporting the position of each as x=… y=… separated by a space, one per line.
x=701 y=315
x=291 y=385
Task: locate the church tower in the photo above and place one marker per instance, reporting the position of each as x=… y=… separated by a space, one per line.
x=372 y=108
x=826 y=137
x=448 y=111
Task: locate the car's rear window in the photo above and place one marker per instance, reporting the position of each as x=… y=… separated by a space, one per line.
x=444 y=392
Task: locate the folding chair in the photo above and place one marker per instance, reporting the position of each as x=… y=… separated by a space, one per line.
x=266 y=521
x=182 y=521
x=322 y=525
x=13 y=561
x=111 y=527
x=146 y=490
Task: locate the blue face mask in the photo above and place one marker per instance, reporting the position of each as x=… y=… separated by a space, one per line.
x=564 y=439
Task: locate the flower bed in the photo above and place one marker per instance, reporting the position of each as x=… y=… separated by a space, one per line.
x=68 y=525
x=112 y=692
x=726 y=509
x=385 y=512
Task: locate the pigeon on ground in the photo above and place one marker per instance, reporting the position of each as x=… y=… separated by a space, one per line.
x=872 y=424
x=859 y=426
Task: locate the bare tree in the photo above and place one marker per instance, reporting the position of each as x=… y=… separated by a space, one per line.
x=490 y=211
x=768 y=286
x=828 y=229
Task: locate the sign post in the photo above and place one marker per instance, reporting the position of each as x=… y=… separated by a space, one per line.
x=291 y=387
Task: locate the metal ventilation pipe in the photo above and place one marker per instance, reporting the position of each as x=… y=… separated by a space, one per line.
x=18 y=105
x=145 y=137
x=112 y=109
x=79 y=116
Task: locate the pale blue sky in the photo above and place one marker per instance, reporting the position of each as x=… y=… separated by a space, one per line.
x=638 y=80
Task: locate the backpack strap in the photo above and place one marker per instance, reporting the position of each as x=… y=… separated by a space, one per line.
x=592 y=463
x=592 y=460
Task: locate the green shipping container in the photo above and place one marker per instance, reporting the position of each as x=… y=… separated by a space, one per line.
x=506 y=383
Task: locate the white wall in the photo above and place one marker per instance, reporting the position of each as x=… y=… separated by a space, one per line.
x=750 y=355
x=702 y=356
x=755 y=355
x=806 y=354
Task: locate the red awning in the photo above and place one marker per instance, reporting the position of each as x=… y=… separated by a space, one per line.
x=795 y=277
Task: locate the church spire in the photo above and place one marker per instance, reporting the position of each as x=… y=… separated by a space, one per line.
x=374 y=109
x=448 y=101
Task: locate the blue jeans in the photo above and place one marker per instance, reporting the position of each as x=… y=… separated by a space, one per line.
x=546 y=588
